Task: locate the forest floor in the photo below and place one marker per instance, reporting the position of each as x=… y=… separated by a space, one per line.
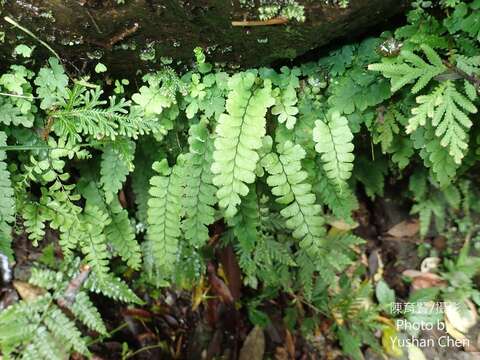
x=202 y=325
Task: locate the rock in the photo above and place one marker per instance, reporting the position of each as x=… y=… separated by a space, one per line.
x=87 y=31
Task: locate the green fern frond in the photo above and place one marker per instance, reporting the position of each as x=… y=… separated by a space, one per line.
x=341 y=203
x=34 y=221
x=199 y=191
x=112 y=287
x=64 y=329
x=285 y=107
x=92 y=240
x=287 y=179
x=119 y=233
x=239 y=135
x=448 y=110
x=412 y=68
x=114 y=169
x=245 y=225
x=164 y=214
x=334 y=142
x=87 y=313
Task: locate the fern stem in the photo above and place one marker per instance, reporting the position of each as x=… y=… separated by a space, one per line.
x=31 y=97
x=146 y=348
x=14 y=23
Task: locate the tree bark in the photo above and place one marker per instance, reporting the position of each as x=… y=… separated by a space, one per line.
x=87 y=31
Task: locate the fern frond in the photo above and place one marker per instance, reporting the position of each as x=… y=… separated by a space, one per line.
x=87 y=313
x=112 y=287
x=245 y=225
x=63 y=329
x=164 y=214
x=448 y=110
x=47 y=279
x=119 y=233
x=114 y=169
x=285 y=107
x=239 y=135
x=334 y=142
x=341 y=203
x=47 y=346
x=287 y=179
x=92 y=240
x=199 y=191
x=34 y=221
x=412 y=68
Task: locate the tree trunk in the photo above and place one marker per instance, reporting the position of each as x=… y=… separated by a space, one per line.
x=119 y=35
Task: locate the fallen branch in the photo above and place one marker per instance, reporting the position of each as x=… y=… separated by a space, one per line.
x=274 y=21
x=74 y=286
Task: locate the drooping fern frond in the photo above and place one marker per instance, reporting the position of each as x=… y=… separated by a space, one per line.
x=118 y=230
x=341 y=203
x=287 y=179
x=333 y=140
x=447 y=109
x=199 y=190
x=239 y=135
x=412 y=68
x=164 y=215
x=245 y=225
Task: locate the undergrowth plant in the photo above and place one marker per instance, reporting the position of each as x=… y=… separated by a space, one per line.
x=272 y=157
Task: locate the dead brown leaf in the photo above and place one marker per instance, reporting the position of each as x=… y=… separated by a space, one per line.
x=405 y=229
x=424 y=280
x=27 y=291
x=254 y=346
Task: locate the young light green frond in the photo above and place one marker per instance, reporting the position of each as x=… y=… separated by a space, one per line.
x=448 y=110
x=38 y=329
x=239 y=135
x=287 y=179
x=443 y=165
x=46 y=346
x=412 y=68
x=164 y=214
x=199 y=191
x=334 y=142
